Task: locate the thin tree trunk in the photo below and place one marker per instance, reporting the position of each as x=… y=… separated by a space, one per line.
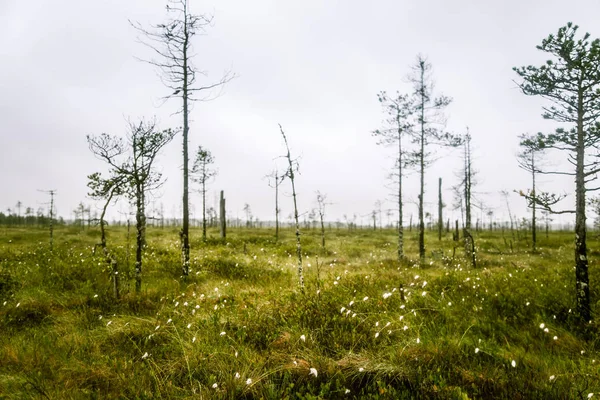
x=400 y=208
x=112 y=262
x=277 y=207
x=185 y=230
x=440 y=218
x=222 y=217
x=533 y=220
x=456 y=231
x=298 y=244
x=322 y=232
x=139 y=221
x=204 y=208
x=51 y=221
x=422 y=169
x=581 y=261
x=467 y=236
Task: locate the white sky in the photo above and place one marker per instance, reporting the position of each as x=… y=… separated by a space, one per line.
x=67 y=69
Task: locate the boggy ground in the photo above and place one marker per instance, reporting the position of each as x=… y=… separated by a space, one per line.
x=238 y=327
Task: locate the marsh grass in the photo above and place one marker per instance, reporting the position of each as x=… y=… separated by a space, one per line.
x=366 y=327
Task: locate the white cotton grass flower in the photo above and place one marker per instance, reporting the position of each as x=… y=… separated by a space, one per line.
x=376 y=335
x=236 y=376
x=476 y=350
x=169 y=321
x=350 y=304
x=513 y=363
x=108 y=323
x=313 y=371
x=386 y=295
x=361 y=369
x=189 y=326
x=590 y=395
x=555 y=338
x=248 y=381
x=418 y=340
x=222 y=333
x=145 y=356
x=303 y=338
x=552 y=377
x=347 y=391
x=542 y=325
x=366 y=298
x=215 y=386
x=157 y=327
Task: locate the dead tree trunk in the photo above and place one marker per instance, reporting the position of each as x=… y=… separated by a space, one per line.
x=139 y=226
x=440 y=205
x=467 y=236
x=222 y=217
x=291 y=175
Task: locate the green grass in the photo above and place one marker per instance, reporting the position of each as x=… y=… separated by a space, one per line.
x=370 y=327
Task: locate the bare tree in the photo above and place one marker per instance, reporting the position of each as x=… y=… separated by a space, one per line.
x=132 y=161
x=201 y=174
x=274 y=181
x=529 y=160
x=571 y=81
x=466 y=185
x=440 y=207
x=291 y=173
x=222 y=217
x=398 y=124
x=18 y=206
x=321 y=203
x=52 y=193
x=172 y=42
x=504 y=194
x=248 y=212
x=430 y=122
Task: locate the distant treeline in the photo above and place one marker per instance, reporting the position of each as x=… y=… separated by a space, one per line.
x=29 y=219
x=40 y=219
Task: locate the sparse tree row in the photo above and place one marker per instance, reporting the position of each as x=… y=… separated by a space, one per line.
x=571 y=81
x=414 y=125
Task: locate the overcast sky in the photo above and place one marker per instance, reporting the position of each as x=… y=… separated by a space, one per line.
x=68 y=68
